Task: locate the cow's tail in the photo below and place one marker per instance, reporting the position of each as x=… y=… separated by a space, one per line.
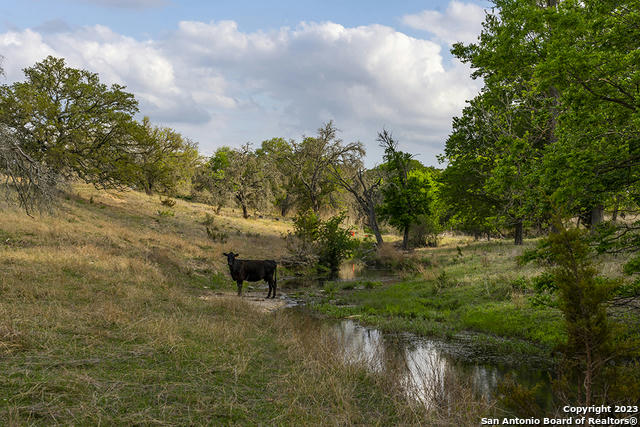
x=275 y=277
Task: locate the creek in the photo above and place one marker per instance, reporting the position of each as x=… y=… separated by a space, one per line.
x=428 y=369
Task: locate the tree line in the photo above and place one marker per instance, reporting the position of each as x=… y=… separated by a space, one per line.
x=553 y=133
x=555 y=129
x=62 y=124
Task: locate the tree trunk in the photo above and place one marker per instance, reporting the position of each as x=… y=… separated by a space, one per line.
x=405 y=238
x=616 y=207
x=315 y=205
x=373 y=224
x=245 y=214
x=285 y=205
x=597 y=216
x=519 y=232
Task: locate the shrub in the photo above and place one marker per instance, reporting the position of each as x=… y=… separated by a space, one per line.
x=520 y=284
x=324 y=243
x=301 y=243
x=208 y=220
x=168 y=202
x=217 y=236
x=424 y=232
x=388 y=257
x=594 y=354
x=335 y=243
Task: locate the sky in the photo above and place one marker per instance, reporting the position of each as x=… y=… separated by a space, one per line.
x=229 y=72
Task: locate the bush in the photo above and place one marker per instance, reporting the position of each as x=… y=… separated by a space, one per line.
x=390 y=258
x=365 y=251
x=208 y=220
x=424 y=232
x=335 y=243
x=217 y=236
x=324 y=243
x=168 y=202
x=595 y=345
x=214 y=233
x=301 y=243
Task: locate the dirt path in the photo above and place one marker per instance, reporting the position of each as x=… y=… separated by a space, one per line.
x=255 y=299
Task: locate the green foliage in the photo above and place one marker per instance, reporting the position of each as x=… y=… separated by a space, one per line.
x=274 y=153
x=217 y=235
x=557 y=121
x=238 y=174
x=168 y=202
x=545 y=288
x=592 y=59
x=335 y=243
x=166 y=213
x=70 y=122
x=330 y=289
x=408 y=189
x=306 y=166
x=306 y=226
x=582 y=298
x=325 y=241
x=248 y=179
x=211 y=184
x=425 y=231
x=521 y=400
x=163 y=159
x=629 y=289
x=520 y=284
x=209 y=220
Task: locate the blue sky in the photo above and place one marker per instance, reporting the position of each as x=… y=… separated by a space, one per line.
x=228 y=72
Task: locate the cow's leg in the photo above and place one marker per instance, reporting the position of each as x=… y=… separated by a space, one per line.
x=239 y=282
x=272 y=285
x=269 y=293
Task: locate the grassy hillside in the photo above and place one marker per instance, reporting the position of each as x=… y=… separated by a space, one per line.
x=102 y=321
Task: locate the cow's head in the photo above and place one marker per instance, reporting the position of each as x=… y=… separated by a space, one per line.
x=231 y=257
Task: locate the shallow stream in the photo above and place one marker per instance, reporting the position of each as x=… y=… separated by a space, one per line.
x=425 y=367
x=428 y=369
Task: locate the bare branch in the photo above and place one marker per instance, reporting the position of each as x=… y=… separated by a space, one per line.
x=28 y=180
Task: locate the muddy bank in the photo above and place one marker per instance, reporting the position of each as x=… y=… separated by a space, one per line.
x=253 y=298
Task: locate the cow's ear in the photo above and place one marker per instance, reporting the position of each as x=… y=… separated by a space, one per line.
x=225 y=254
x=236 y=254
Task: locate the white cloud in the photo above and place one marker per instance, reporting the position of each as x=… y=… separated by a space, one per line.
x=461 y=22
x=219 y=85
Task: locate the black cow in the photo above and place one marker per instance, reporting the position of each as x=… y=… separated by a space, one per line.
x=253 y=271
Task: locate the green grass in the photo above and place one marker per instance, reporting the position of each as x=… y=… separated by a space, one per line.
x=480 y=289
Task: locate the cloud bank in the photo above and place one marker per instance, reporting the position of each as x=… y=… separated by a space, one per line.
x=461 y=22
x=221 y=86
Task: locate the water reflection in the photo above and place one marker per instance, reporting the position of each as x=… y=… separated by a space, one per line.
x=423 y=367
x=348 y=271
